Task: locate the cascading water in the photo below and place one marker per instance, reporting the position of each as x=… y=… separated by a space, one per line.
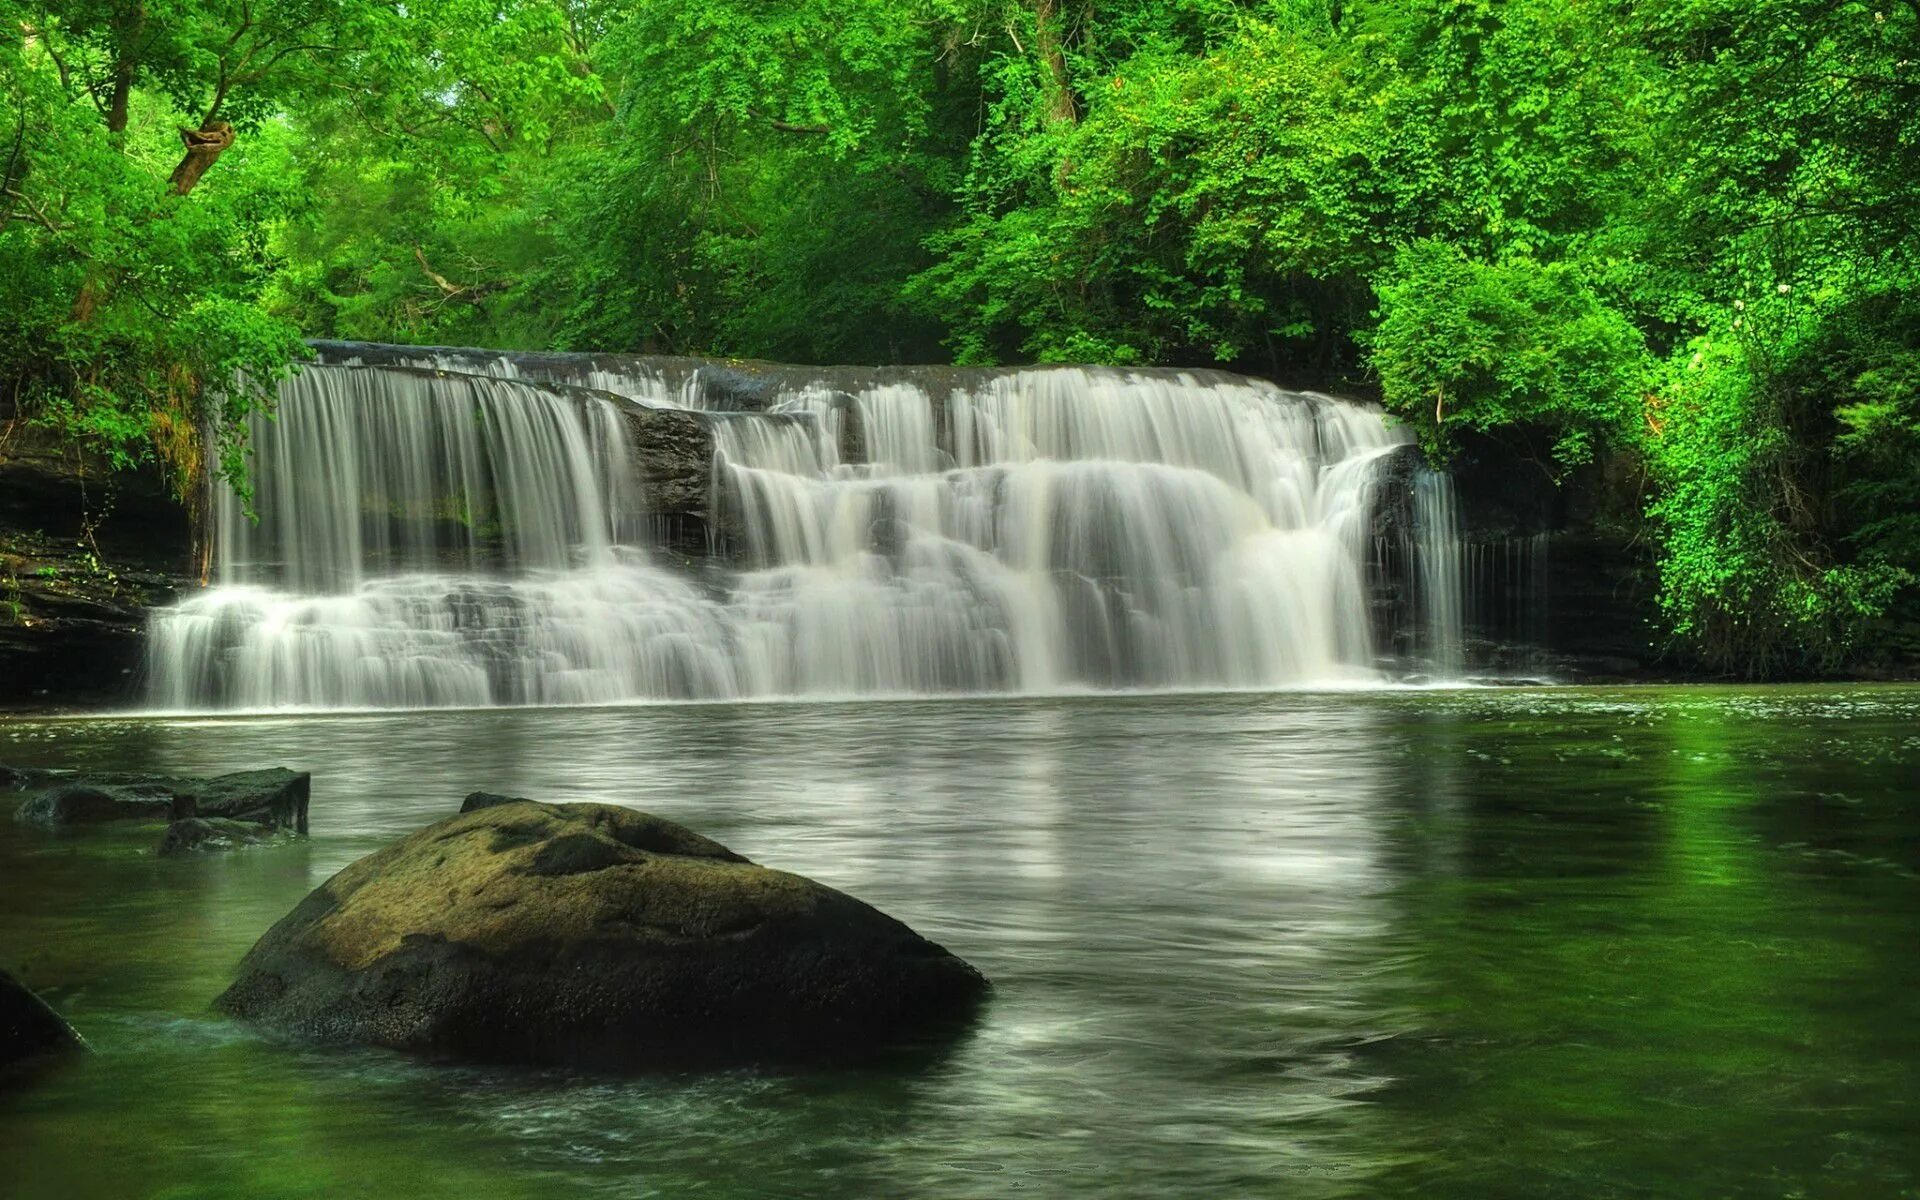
x=464 y=528
x=1073 y=528
x=1438 y=549
x=434 y=540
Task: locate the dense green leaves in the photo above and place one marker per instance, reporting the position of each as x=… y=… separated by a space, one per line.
x=1490 y=346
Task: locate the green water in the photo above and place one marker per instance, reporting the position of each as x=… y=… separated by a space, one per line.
x=1579 y=943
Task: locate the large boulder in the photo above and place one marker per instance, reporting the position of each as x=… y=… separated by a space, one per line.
x=29 y=1030
x=592 y=935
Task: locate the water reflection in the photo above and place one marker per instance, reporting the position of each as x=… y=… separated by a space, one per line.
x=1495 y=943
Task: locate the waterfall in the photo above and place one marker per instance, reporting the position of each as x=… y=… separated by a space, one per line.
x=1506 y=594
x=468 y=528
x=1438 y=552
x=428 y=539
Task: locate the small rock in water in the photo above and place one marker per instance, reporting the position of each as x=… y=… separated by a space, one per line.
x=592 y=935
x=212 y=833
x=276 y=798
x=29 y=1030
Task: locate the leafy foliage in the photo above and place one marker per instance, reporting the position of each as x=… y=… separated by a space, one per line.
x=1498 y=345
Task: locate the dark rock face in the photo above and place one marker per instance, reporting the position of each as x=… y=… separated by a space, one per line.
x=29 y=1030
x=212 y=833
x=1558 y=579
x=592 y=935
x=476 y=801
x=673 y=450
x=84 y=552
x=275 y=798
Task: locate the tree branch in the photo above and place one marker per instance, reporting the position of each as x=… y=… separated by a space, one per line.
x=449 y=290
x=33 y=212
x=789 y=126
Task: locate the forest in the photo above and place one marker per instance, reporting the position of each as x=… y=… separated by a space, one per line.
x=1679 y=239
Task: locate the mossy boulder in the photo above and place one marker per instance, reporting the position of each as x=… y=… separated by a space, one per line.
x=592 y=935
x=29 y=1030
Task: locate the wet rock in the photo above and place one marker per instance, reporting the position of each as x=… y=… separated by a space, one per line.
x=275 y=798
x=87 y=804
x=19 y=779
x=29 y=1030
x=476 y=801
x=212 y=833
x=598 y=936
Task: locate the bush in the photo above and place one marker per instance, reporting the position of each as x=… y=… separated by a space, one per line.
x=1488 y=346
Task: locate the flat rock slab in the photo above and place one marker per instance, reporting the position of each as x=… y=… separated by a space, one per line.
x=275 y=798
x=29 y=1030
x=89 y=804
x=592 y=935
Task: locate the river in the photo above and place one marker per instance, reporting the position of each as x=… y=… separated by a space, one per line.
x=1390 y=943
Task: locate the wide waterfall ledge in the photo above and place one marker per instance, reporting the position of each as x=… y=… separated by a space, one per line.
x=470 y=528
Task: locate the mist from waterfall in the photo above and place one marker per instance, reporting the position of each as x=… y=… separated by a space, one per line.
x=471 y=530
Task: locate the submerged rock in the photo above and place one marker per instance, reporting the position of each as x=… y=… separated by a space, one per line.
x=212 y=833
x=28 y=1028
x=275 y=798
x=592 y=935
x=18 y=779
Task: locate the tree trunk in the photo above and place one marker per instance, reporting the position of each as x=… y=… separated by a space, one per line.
x=117 y=102
x=1053 y=60
x=204 y=145
x=200 y=518
x=128 y=26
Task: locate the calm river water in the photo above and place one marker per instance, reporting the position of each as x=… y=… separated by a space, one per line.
x=1502 y=943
